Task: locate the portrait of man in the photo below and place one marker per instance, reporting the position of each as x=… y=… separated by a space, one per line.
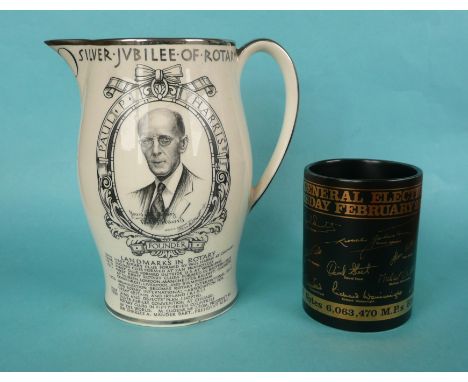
x=171 y=197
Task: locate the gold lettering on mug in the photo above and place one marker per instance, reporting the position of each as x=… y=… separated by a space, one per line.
x=362 y=203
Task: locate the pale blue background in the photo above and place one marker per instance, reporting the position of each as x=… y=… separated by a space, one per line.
x=390 y=85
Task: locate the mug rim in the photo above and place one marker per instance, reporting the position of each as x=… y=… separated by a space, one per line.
x=141 y=41
x=308 y=171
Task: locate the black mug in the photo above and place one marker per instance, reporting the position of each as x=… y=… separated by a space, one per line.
x=361 y=221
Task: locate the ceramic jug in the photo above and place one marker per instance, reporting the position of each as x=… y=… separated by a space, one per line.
x=165 y=168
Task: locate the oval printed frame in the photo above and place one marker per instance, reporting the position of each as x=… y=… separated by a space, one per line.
x=162 y=85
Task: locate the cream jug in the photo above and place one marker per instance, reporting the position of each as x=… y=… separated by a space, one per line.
x=165 y=168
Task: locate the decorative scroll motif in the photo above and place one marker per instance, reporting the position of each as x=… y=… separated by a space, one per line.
x=158 y=81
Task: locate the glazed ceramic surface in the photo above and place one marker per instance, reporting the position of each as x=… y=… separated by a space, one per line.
x=165 y=169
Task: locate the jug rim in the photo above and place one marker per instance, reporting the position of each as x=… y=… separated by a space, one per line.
x=141 y=41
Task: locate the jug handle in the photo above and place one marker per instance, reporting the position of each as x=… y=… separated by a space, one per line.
x=290 y=112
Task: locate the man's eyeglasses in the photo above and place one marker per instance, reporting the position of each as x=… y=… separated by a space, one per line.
x=148 y=142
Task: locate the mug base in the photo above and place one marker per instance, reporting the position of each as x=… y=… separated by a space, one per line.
x=357 y=326
x=173 y=323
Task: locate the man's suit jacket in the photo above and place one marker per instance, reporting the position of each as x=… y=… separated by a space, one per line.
x=183 y=206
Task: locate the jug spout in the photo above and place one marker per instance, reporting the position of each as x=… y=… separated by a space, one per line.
x=69 y=51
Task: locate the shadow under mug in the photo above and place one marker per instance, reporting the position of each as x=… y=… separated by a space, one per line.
x=361 y=221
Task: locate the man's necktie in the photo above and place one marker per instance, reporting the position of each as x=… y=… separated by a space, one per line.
x=156 y=212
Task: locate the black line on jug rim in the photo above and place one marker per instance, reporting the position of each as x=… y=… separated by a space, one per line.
x=141 y=41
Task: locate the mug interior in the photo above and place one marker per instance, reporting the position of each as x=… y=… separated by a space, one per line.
x=364 y=169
